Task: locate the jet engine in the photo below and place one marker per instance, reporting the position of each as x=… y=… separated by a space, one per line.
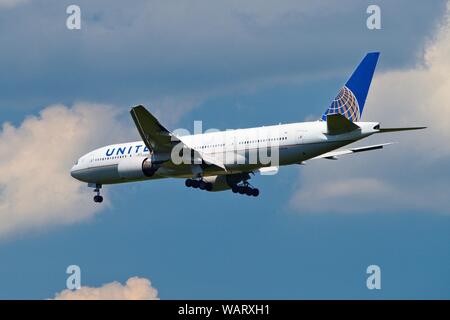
x=136 y=167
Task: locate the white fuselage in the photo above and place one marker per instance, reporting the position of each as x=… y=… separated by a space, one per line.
x=295 y=143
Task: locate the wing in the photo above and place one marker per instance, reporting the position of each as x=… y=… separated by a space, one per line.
x=160 y=140
x=334 y=154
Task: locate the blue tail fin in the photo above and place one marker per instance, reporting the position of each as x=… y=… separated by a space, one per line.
x=351 y=98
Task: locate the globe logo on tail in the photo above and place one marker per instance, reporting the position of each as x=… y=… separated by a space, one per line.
x=346 y=104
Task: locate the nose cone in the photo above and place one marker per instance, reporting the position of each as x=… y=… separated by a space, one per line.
x=73 y=172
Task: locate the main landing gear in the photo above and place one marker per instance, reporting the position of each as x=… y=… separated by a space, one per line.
x=245 y=188
x=202 y=185
x=97 y=198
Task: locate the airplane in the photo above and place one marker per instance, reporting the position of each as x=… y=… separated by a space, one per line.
x=225 y=160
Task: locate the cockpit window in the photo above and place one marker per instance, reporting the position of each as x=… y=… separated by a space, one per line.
x=76 y=162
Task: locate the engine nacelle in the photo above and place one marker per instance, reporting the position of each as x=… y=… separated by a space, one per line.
x=136 y=167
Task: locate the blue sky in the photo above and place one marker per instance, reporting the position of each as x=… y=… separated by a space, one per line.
x=229 y=65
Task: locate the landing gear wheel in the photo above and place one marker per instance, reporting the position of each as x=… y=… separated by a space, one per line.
x=235 y=189
x=195 y=184
x=201 y=184
x=241 y=189
x=255 y=192
x=97 y=198
x=248 y=191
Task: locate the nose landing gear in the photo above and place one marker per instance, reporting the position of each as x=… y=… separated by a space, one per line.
x=97 y=198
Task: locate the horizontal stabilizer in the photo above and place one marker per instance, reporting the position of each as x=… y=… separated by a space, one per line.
x=383 y=130
x=334 y=154
x=337 y=124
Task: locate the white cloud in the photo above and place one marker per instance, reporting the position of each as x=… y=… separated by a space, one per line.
x=412 y=175
x=135 y=289
x=36 y=188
